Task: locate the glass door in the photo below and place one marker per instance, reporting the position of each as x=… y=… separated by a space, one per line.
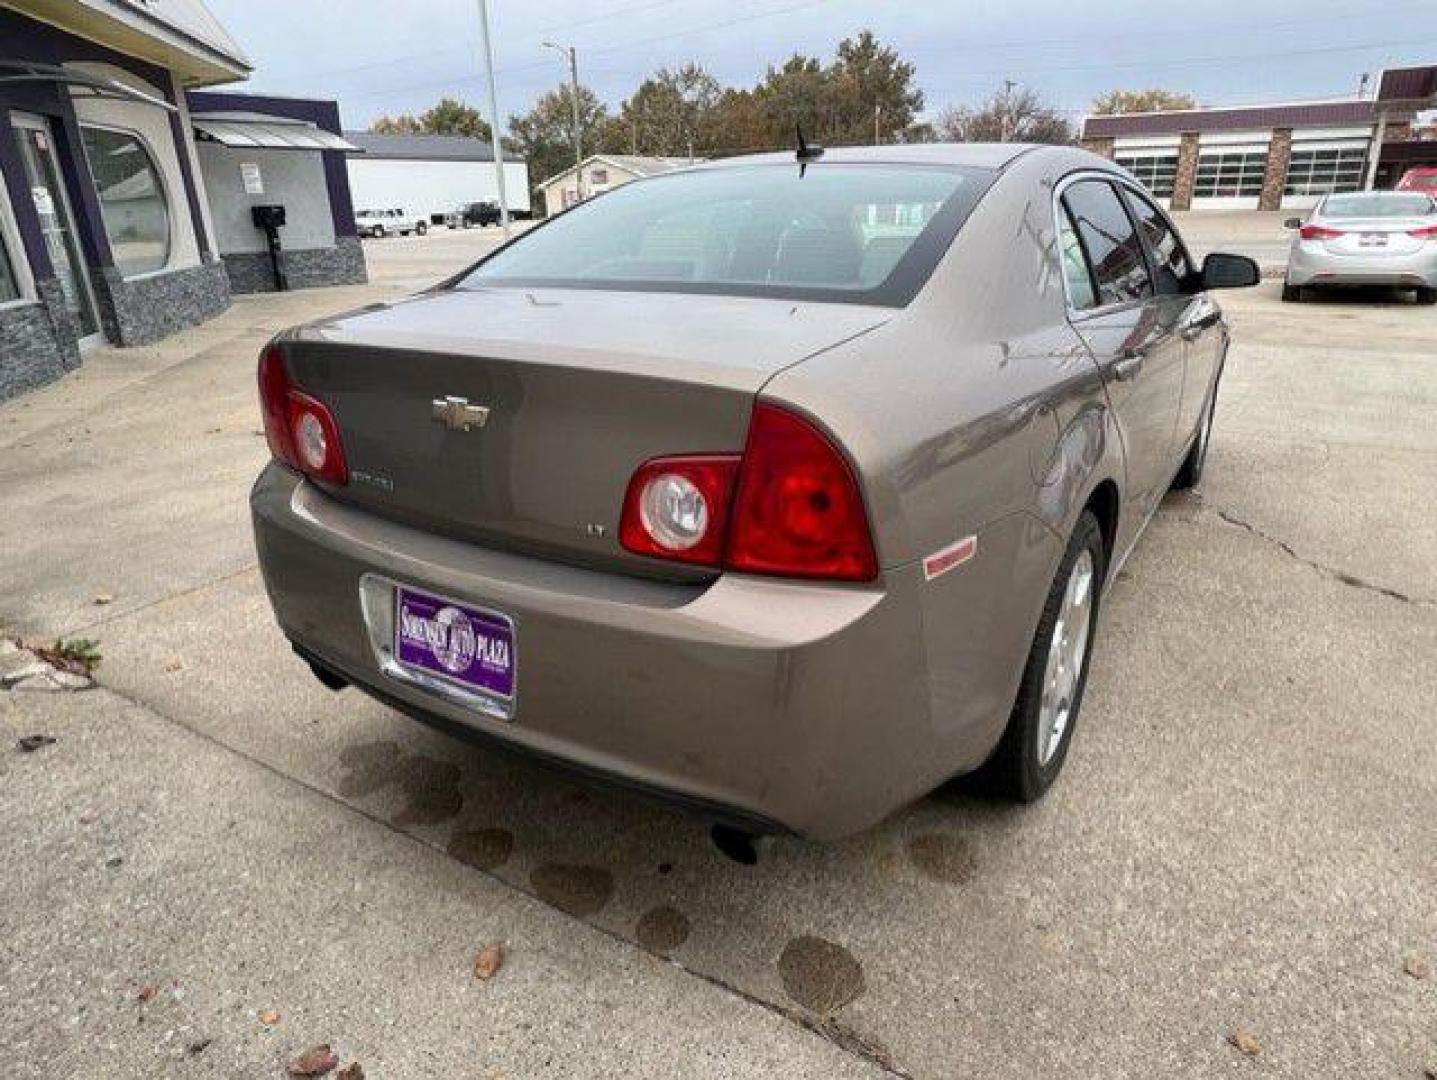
x=57 y=222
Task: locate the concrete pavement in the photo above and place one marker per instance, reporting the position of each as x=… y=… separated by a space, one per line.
x=1243 y=837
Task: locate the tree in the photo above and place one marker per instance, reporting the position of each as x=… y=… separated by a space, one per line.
x=672 y=113
x=449 y=117
x=873 y=93
x=544 y=136
x=1134 y=101
x=1013 y=114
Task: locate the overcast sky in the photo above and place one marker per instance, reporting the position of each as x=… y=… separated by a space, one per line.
x=383 y=56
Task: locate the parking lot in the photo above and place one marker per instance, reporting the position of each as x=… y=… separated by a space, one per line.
x=1243 y=840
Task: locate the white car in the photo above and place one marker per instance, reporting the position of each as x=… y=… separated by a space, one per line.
x=381 y=223
x=1366 y=238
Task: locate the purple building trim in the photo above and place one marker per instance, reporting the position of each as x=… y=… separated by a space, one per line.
x=323 y=114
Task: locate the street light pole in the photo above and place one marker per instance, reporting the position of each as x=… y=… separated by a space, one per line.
x=494 y=116
x=572 y=55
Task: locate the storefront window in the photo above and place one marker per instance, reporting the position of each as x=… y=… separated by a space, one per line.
x=9 y=285
x=132 y=200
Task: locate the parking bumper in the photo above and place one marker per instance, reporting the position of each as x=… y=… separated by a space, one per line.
x=800 y=705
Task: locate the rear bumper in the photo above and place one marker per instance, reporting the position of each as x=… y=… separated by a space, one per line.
x=1306 y=267
x=798 y=706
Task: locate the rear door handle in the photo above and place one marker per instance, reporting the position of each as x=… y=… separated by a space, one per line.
x=1128 y=367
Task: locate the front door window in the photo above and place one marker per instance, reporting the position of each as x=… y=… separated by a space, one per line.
x=42 y=173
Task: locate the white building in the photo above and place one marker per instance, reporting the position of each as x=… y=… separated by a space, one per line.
x=427 y=176
x=600 y=173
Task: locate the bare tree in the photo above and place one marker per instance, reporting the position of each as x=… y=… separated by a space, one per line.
x=1013 y=114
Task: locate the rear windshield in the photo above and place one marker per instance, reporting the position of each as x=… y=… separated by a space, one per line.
x=1378 y=204
x=856 y=233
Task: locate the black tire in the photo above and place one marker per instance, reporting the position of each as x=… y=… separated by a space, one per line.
x=379 y=232
x=1291 y=294
x=1427 y=296
x=1015 y=771
x=420 y=228
x=1190 y=473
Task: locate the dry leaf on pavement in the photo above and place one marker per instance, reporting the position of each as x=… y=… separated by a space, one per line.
x=1417 y=967
x=269 y=1017
x=316 y=1061
x=101 y=599
x=353 y=1071
x=487 y=963
x=1245 y=1041
x=146 y=992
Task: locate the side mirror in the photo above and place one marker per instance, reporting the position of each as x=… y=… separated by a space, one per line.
x=1221 y=271
x=1292 y=223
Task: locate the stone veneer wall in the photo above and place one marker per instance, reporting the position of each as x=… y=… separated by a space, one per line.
x=1274 y=176
x=343 y=264
x=38 y=342
x=141 y=310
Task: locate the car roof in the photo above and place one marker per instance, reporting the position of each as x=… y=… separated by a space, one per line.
x=980 y=155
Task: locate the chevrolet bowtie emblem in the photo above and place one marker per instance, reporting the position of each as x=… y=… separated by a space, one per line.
x=457 y=414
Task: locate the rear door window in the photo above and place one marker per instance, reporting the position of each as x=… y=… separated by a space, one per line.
x=1170 y=261
x=1082 y=294
x=1110 y=241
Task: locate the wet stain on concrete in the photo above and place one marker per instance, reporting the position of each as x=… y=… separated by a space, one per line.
x=370 y=766
x=941 y=857
x=576 y=890
x=484 y=849
x=430 y=787
x=662 y=929
x=819 y=975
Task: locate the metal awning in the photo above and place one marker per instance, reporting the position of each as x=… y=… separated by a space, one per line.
x=257 y=130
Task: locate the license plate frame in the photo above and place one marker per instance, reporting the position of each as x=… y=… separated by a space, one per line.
x=383 y=602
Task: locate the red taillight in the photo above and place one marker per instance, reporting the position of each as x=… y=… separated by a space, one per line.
x=677 y=508
x=1318 y=232
x=790 y=506
x=1426 y=233
x=301 y=431
x=798 y=511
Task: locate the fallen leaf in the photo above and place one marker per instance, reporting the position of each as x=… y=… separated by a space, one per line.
x=353 y=1071
x=28 y=744
x=173 y=665
x=487 y=963
x=199 y=1046
x=146 y=992
x=1245 y=1041
x=316 y=1061
x=1417 y=967
x=89 y=819
x=101 y=599
x=269 y=1017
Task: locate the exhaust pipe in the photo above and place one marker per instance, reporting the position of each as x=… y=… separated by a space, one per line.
x=738 y=845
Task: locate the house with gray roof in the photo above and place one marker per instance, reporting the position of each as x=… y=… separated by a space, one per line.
x=599 y=173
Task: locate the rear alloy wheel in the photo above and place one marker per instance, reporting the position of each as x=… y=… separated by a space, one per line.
x=421 y=228
x=1040 y=729
x=1427 y=296
x=1191 y=471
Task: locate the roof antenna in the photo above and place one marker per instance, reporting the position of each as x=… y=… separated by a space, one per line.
x=806 y=151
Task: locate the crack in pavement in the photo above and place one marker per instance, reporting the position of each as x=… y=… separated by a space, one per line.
x=1341 y=576
x=829 y=1029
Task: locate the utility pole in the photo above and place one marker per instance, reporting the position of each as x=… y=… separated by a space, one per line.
x=1008 y=85
x=573 y=57
x=494 y=116
x=1362 y=81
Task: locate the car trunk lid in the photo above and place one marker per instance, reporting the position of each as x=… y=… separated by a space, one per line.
x=1376 y=236
x=581 y=387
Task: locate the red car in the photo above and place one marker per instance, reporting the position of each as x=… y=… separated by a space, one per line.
x=1419 y=179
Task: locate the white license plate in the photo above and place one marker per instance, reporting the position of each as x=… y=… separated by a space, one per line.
x=1372 y=239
